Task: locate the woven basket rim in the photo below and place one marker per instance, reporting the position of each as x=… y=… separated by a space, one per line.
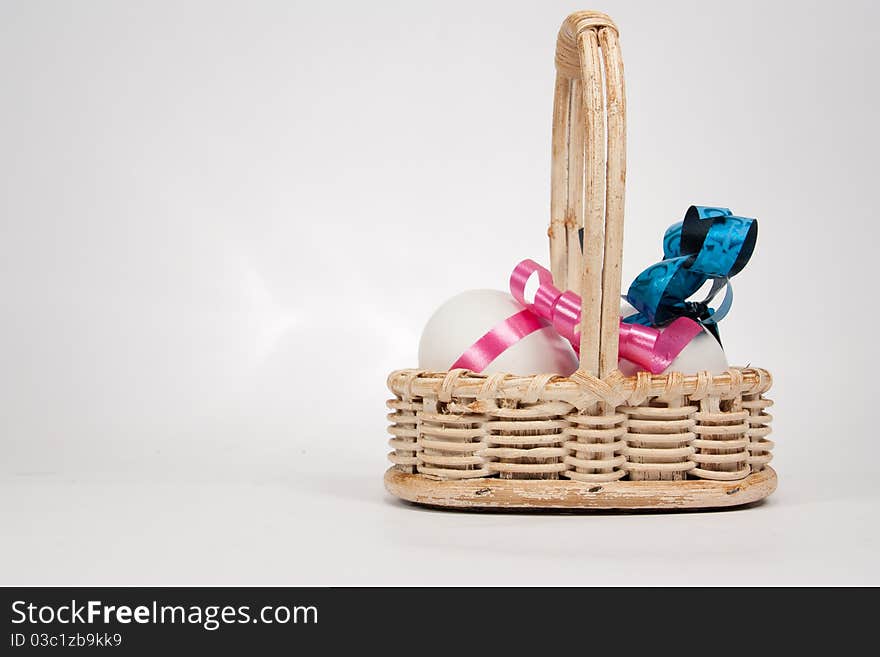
x=580 y=390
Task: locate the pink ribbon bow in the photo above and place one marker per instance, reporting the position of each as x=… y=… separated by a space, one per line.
x=645 y=346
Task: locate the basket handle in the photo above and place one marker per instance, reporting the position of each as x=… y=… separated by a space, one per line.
x=588 y=177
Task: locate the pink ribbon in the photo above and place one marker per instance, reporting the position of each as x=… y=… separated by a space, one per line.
x=645 y=346
x=654 y=349
x=496 y=341
x=561 y=309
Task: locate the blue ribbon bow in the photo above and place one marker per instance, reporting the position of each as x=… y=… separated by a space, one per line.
x=710 y=244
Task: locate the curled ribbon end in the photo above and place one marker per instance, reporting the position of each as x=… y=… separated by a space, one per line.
x=519 y=278
x=709 y=244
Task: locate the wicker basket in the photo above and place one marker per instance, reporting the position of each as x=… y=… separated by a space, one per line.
x=596 y=439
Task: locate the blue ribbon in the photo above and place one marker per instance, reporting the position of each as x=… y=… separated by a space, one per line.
x=710 y=244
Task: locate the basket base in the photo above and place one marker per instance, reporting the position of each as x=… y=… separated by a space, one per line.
x=535 y=494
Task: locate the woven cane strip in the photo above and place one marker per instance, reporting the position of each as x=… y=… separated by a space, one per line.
x=446 y=473
x=525 y=440
x=722 y=452
x=659 y=434
x=442 y=447
x=594 y=447
x=542 y=410
x=404 y=430
x=610 y=448
x=760 y=446
x=450 y=436
x=658 y=441
x=404 y=419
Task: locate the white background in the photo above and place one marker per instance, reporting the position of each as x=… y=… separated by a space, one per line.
x=223 y=223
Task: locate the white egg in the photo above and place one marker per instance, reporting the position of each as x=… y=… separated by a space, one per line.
x=465 y=318
x=703 y=353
